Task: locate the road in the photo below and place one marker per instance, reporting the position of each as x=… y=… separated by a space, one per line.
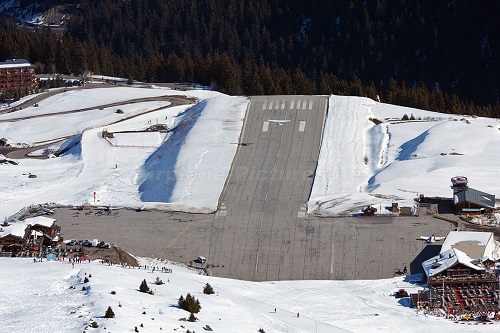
x=261 y=231
x=18 y=153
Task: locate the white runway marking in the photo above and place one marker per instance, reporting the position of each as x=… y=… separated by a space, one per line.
x=304 y=104
x=292 y=104
x=264 y=106
x=298 y=104
x=270 y=105
x=302 y=126
x=310 y=104
x=277 y=105
x=283 y=105
x=265 y=127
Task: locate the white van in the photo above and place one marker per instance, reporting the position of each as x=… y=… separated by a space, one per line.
x=201 y=260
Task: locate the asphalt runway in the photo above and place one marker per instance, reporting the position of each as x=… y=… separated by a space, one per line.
x=261 y=231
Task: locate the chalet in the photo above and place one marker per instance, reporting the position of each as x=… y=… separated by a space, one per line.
x=369 y=211
x=43 y=229
x=17 y=75
x=38 y=230
x=459 y=277
x=14 y=237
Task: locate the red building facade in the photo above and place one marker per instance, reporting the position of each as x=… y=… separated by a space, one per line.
x=17 y=75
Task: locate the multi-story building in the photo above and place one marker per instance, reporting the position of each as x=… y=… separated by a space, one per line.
x=17 y=75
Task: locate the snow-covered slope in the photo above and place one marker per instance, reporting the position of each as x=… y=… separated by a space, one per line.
x=189 y=170
x=362 y=163
x=48 y=297
x=184 y=169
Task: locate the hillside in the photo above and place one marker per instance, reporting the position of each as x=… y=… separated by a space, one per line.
x=52 y=297
x=388 y=160
x=283 y=47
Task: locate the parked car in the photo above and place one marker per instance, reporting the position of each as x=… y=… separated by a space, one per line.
x=103 y=245
x=200 y=260
x=467 y=317
x=483 y=318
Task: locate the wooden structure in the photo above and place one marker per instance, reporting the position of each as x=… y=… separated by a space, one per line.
x=405 y=211
x=369 y=211
x=460 y=280
x=39 y=231
x=12 y=242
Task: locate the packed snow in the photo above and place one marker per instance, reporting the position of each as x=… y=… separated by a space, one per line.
x=51 y=296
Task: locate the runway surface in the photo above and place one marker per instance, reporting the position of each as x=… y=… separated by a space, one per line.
x=261 y=230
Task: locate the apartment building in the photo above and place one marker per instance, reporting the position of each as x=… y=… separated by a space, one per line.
x=17 y=75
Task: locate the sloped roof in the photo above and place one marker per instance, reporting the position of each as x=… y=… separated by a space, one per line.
x=448 y=259
x=19 y=228
x=14 y=63
x=474 y=196
x=40 y=220
x=471 y=239
x=15 y=229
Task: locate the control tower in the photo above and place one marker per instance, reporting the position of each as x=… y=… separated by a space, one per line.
x=459 y=184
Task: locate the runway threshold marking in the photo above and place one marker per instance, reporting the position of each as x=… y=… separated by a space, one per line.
x=265 y=126
x=264 y=106
x=310 y=104
x=270 y=105
x=304 y=104
x=298 y=104
x=302 y=126
x=292 y=104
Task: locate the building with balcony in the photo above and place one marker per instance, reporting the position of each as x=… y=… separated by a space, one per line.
x=17 y=75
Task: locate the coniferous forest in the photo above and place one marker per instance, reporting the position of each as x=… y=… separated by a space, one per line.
x=436 y=55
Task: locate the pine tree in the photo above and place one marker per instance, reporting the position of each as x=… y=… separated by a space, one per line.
x=144 y=287
x=192 y=318
x=109 y=313
x=159 y=281
x=189 y=303
x=208 y=290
